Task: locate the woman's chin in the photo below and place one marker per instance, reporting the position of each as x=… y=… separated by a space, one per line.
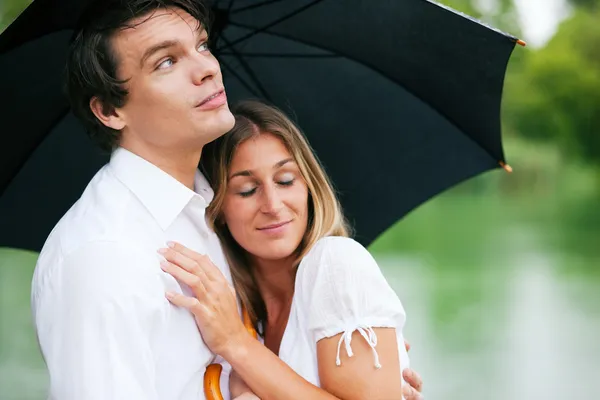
x=275 y=251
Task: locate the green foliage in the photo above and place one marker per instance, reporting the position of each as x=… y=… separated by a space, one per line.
x=556 y=96
x=552 y=95
x=588 y=4
x=9 y=10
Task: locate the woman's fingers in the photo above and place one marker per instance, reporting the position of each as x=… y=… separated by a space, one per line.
x=186 y=262
x=202 y=261
x=183 y=276
x=411 y=394
x=413 y=379
x=190 y=303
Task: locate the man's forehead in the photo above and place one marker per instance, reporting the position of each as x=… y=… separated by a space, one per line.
x=160 y=25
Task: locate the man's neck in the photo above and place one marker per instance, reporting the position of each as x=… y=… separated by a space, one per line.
x=180 y=164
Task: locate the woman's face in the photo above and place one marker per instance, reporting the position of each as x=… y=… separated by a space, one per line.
x=266 y=201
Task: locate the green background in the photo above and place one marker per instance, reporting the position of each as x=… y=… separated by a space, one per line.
x=500 y=275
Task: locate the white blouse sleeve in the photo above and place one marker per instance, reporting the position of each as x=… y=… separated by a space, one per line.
x=347 y=292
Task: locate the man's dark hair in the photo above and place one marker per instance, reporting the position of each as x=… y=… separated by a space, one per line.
x=91 y=69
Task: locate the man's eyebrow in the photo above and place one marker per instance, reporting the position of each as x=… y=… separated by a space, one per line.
x=200 y=32
x=249 y=173
x=156 y=48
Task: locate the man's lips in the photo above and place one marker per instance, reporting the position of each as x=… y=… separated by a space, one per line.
x=211 y=97
x=274 y=226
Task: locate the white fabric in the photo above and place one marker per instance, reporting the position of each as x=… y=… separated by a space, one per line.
x=339 y=289
x=105 y=329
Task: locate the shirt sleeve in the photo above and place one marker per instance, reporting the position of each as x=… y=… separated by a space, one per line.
x=95 y=319
x=348 y=293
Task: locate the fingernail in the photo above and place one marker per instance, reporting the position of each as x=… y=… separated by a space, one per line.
x=169 y=295
x=164 y=265
x=162 y=251
x=171 y=244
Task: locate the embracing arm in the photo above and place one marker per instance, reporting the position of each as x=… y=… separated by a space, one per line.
x=268 y=376
x=355 y=318
x=357 y=378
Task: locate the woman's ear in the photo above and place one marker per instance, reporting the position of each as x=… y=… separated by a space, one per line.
x=107 y=114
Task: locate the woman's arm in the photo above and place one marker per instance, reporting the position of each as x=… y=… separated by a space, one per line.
x=356 y=319
x=267 y=375
x=216 y=313
x=357 y=377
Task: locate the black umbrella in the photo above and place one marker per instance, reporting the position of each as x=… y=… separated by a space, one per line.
x=400 y=99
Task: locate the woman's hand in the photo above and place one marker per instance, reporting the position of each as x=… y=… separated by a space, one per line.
x=413 y=387
x=214 y=305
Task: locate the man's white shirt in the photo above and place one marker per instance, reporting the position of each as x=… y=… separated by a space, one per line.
x=105 y=328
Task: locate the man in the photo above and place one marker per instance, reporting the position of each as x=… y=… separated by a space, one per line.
x=143 y=81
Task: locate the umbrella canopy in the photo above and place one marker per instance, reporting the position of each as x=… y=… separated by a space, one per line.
x=400 y=100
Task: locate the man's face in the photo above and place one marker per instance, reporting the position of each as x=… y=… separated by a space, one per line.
x=172 y=76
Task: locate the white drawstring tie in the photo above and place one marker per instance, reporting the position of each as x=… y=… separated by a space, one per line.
x=370 y=337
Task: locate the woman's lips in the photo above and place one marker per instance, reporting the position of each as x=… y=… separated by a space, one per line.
x=274 y=228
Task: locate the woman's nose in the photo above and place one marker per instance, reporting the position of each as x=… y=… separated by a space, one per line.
x=272 y=202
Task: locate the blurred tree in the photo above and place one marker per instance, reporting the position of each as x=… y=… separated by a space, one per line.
x=557 y=95
x=552 y=94
x=501 y=14
x=589 y=4
x=9 y=10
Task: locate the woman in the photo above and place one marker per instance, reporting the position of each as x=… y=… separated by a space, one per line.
x=316 y=297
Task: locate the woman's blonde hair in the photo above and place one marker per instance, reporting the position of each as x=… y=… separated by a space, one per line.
x=325 y=217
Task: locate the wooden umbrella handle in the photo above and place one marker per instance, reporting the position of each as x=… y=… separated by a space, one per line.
x=212 y=376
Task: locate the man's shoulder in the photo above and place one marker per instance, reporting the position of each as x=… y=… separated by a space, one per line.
x=103 y=217
x=100 y=213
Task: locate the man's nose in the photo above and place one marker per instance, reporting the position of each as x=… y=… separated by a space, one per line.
x=205 y=68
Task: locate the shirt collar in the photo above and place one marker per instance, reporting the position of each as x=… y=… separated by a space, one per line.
x=164 y=196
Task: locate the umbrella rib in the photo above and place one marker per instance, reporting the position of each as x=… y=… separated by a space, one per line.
x=264 y=3
x=37 y=144
x=230 y=5
x=271 y=24
x=239 y=78
x=248 y=69
x=375 y=69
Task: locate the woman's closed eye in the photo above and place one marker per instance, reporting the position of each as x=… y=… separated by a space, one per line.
x=285 y=179
x=286 y=182
x=247 y=192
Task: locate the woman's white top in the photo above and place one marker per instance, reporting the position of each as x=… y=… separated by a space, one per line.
x=339 y=289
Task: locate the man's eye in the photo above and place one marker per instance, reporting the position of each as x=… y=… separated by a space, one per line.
x=166 y=64
x=203 y=47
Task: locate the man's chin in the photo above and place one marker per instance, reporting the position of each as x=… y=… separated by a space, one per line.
x=224 y=121
x=221 y=123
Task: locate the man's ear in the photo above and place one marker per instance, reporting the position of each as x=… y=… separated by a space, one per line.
x=107 y=115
